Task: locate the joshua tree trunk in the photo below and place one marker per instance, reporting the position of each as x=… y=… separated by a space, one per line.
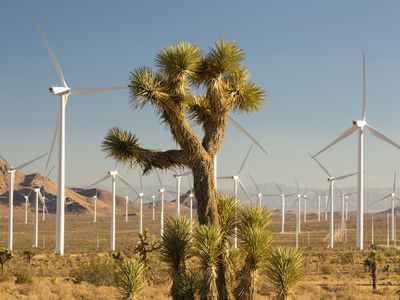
x=373 y=273
x=204 y=189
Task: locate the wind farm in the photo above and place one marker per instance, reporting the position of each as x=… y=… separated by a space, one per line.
x=192 y=205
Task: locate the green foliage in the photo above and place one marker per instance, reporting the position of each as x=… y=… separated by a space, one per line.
x=5 y=255
x=189 y=285
x=284 y=271
x=176 y=249
x=227 y=206
x=98 y=271
x=129 y=278
x=208 y=240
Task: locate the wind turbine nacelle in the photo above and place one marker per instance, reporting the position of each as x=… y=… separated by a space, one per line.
x=56 y=90
x=359 y=123
x=113 y=173
x=141 y=194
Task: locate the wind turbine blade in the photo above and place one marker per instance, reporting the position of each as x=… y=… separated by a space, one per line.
x=244 y=190
x=349 y=194
x=53 y=141
x=381 y=199
x=31 y=161
x=2 y=158
x=277 y=186
x=364 y=93
x=381 y=136
x=341 y=137
x=339 y=190
x=252 y=179
x=245 y=159
x=41 y=198
x=53 y=58
x=78 y=91
x=272 y=195
x=141 y=181
x=98 y=181
x=394 y=182
x=127 y=184
x=159 y=179
x=46 y=178
x=238 y=126
x=224 y=177
x=322 y=167
x=297 y=184
x=345 y=176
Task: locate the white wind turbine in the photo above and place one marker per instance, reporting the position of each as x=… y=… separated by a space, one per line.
x=246 y=133
x=283 y=199
x=140 y=198
x=27 y=204
x=12 y=170
x=63 y=92
x=359 y=126
x=178 y=177
x=95 y=206
x=331 y=180
x=153 y=198
x=191 y=196
x=392 y=196
x=260 y=194
x=162 y=192
x=343 y=207
x=38 y=196
x=237 y=182
x=113 y=174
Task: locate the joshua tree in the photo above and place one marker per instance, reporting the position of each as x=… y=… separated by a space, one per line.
x=5 y=255
x=372 y=262
x=254 y=244
x=176 y=249
x=189 y=85
x=144 y=246
x=284 y=271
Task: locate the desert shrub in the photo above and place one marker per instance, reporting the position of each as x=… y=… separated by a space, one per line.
x=327 y=269
x=23 y=275
x=28 y=255
x=145 y=246
x=98 y=271
x=129 y=278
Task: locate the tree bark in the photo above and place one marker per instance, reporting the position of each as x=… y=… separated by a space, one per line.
x=204 y=189
x=373 y=270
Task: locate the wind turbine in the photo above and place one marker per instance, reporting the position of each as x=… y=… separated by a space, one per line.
x=12 y=170
x=63 y=92
x=237 y=182
x=95 y=206
x=178 y=177
x=392 y=196
x=246 y=133
x=283 y=198
x=113 y=174
x=191 y=196
x=162 y=191
x=260 y=194
x=359 y=126
x=331 y=180
x=27 y=204
x=153 y=197
x=38 y=196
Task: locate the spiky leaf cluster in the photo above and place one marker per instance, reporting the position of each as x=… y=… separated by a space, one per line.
x=284 y=271
x=129 y=278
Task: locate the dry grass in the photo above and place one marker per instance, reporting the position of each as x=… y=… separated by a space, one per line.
x=329 y=274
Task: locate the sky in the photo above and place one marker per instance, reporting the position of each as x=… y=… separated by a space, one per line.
x=306 y=55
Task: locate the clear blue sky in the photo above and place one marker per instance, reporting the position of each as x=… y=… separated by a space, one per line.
x=305 y=54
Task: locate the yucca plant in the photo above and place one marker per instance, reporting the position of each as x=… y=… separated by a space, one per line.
x=254 y=244
x=284 y=271
x=207 y=245
x=129 y=278
x=228 y=206
x=176 y=249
